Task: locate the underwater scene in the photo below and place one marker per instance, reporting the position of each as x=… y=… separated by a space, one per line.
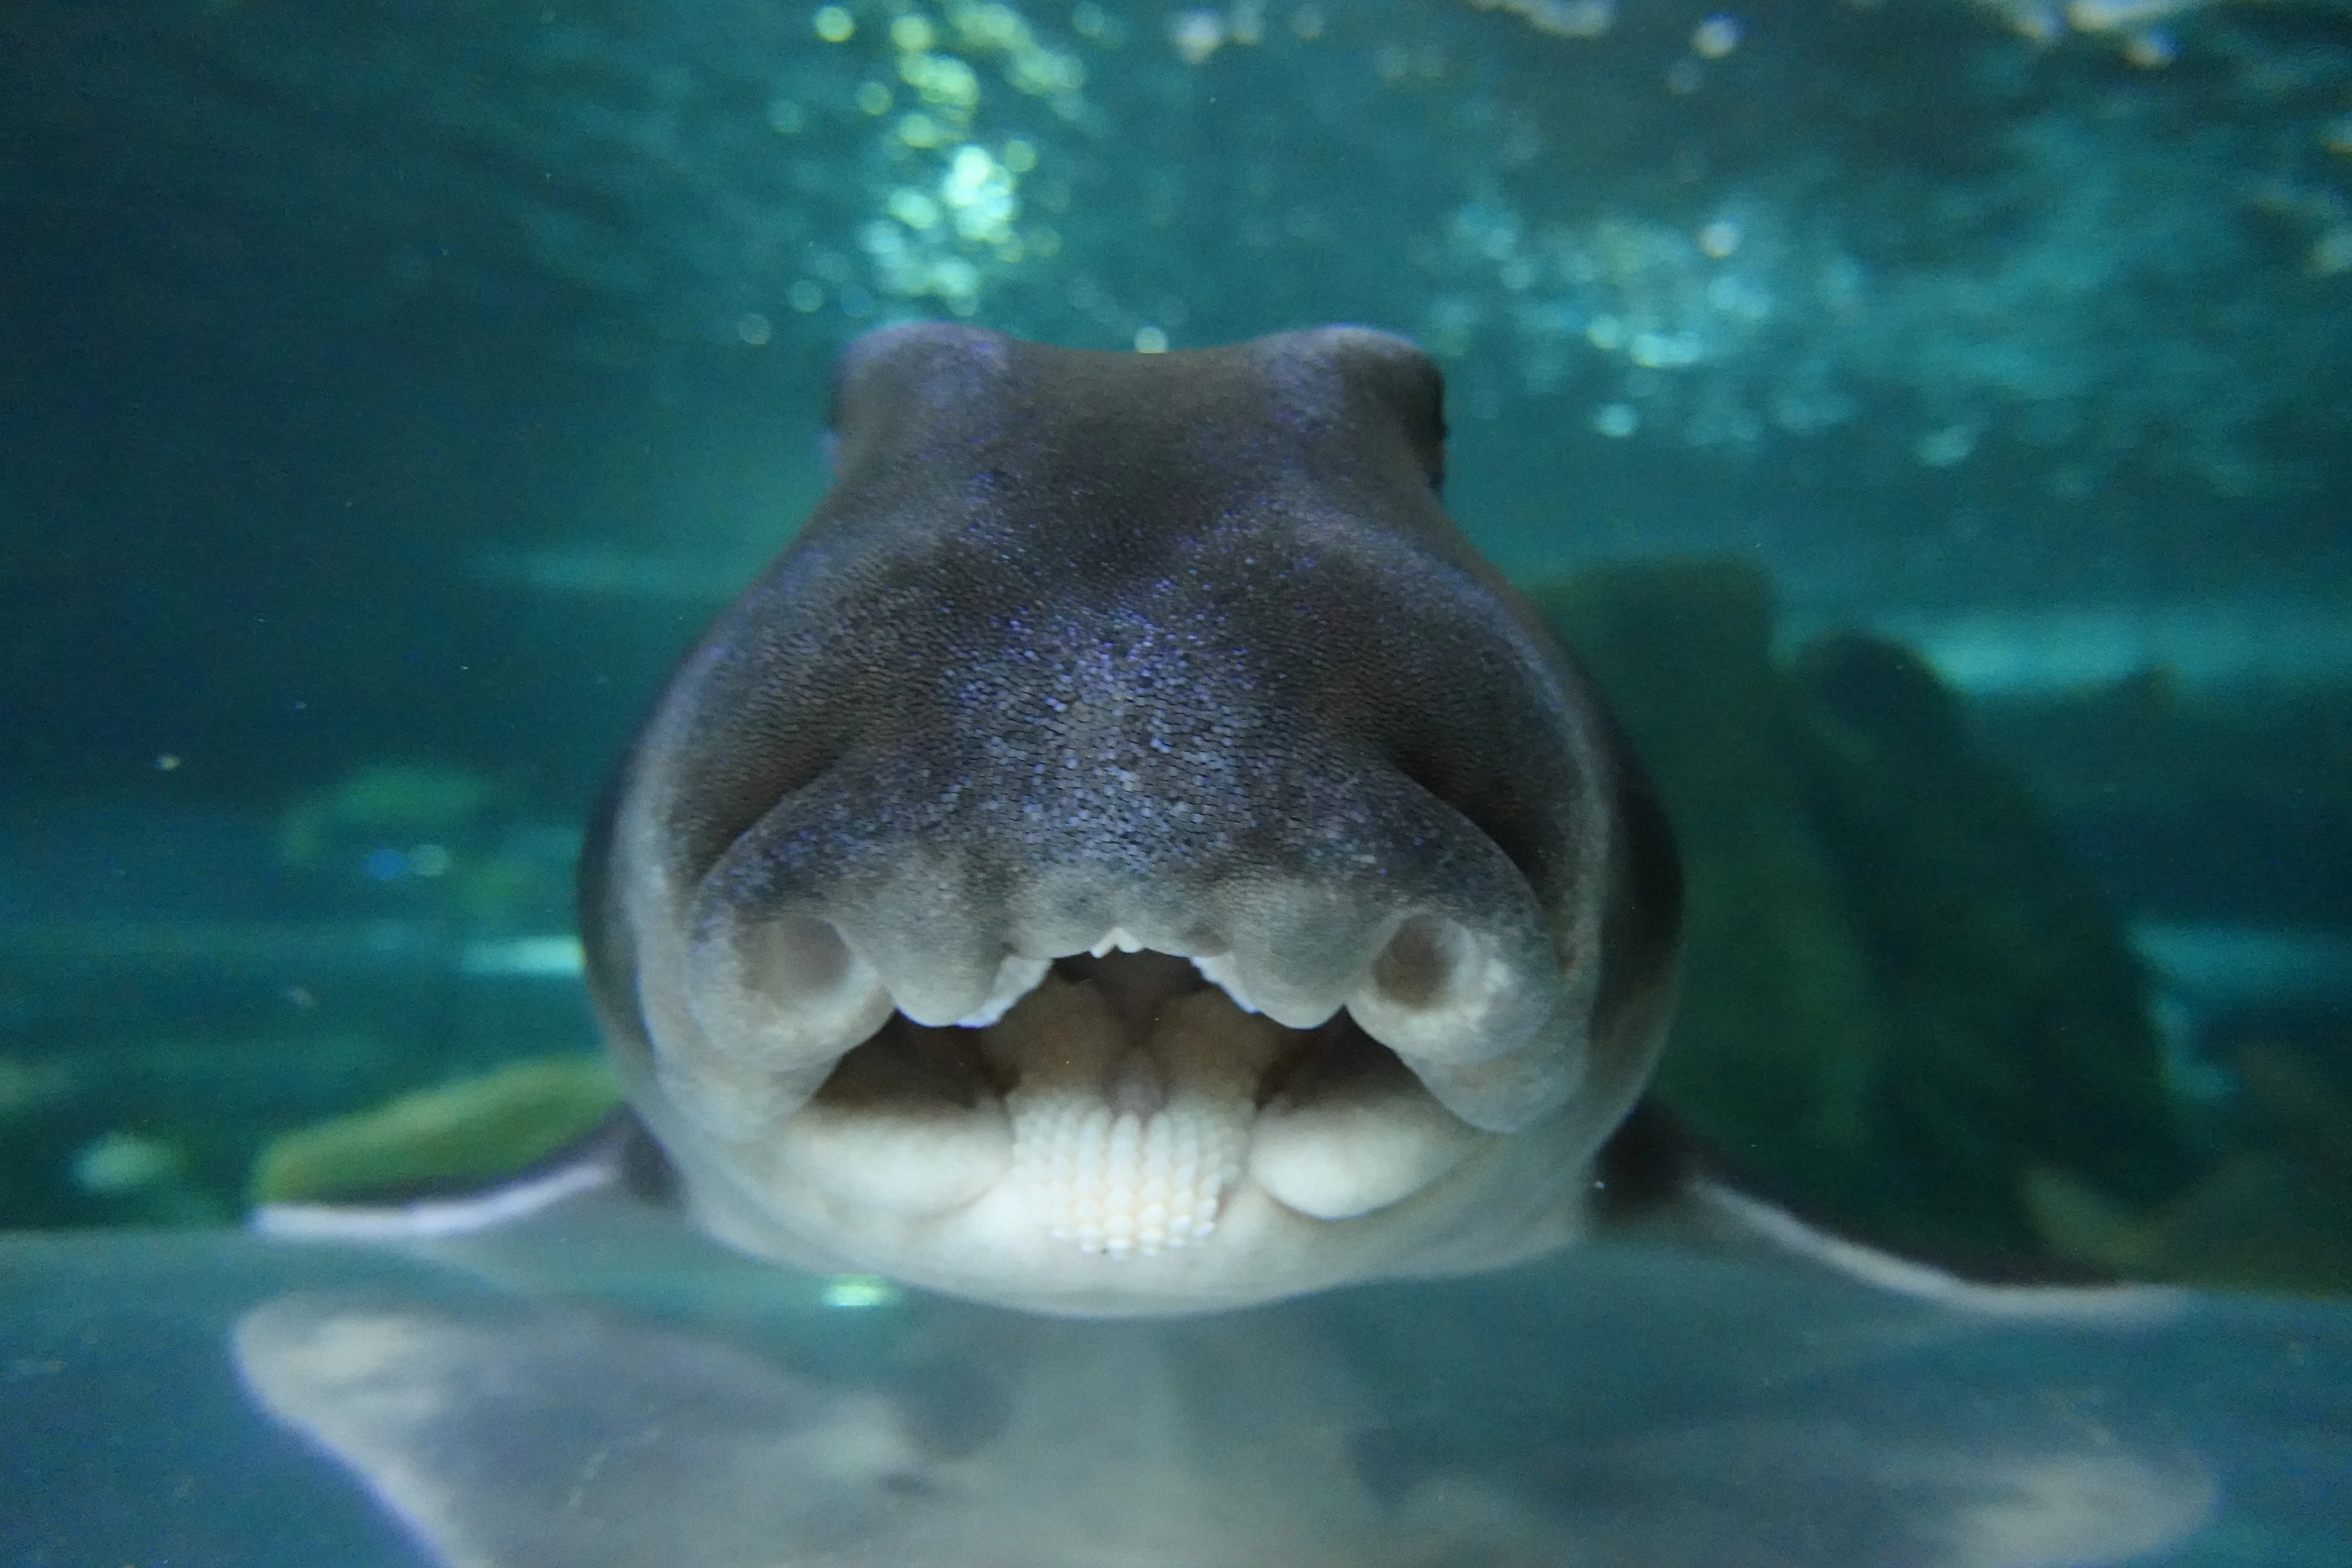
x=1927 y=423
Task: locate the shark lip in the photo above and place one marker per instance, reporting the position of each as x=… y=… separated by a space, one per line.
x=1123 y=1101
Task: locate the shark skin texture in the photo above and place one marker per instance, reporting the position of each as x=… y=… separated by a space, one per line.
x=1129 y=854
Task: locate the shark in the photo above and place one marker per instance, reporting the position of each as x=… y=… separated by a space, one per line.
x=1130 y=853
x=1135 y=905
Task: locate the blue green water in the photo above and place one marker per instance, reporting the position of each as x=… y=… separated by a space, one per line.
x=388 y=392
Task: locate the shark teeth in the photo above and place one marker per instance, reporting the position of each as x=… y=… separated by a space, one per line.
x=1016 y=977
x=1127 y=1146
x=1123 y=1184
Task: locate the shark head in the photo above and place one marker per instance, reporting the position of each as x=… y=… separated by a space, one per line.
x=1129 y=854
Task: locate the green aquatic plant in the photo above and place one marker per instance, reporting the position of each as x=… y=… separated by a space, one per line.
x=2269 y=1215
x=379 y=801
x=445 y=844
x=469 y=1131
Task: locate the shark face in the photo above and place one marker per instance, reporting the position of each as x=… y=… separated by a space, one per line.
x=1129 y=854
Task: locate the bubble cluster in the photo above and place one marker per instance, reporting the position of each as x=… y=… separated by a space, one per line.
x=1639 y=305
x=949 y=221
x=1716 y=227
x=2138 y=27
x=1560 y=18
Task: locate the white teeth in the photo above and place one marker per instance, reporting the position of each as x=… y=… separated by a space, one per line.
x=1015 y=978
x=1133 y=1113
x=1224 y=973
x=1116 y=940
x=1123 y=1147
x=1124 y=1183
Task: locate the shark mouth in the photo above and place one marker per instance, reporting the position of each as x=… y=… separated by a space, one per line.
x=1120 y=1099
x=1123 y=1098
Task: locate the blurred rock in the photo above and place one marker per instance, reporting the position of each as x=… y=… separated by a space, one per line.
x=1901 y=994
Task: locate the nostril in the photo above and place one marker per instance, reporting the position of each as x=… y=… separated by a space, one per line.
x=1419 y=963
x=799 y=956
x=787 y=992
x=1475 y=1011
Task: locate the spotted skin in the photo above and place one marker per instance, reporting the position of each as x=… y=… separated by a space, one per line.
x=1089 y=658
